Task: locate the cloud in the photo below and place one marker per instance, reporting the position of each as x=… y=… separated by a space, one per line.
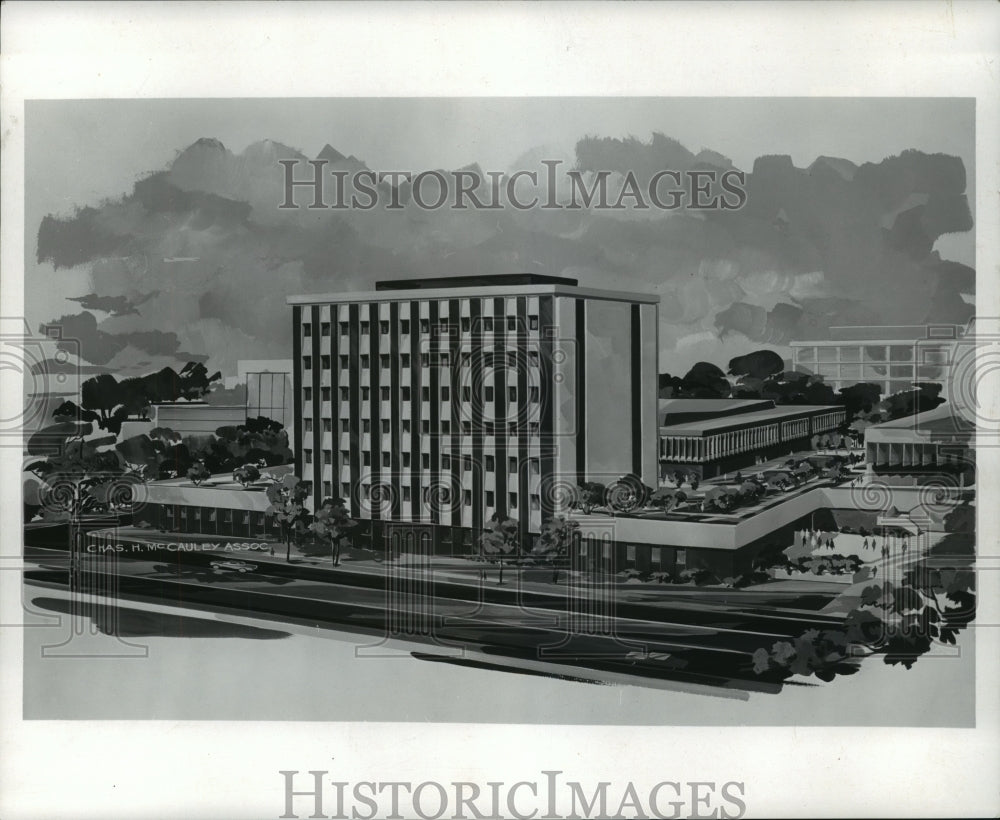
x=199 y=258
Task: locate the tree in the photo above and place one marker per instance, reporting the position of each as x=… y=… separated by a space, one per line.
x=590 y=494
x=331 y=523
x=246 y=475
x=554 y=542
x=628 y=493
x=706 y=381
x=500 y=538
x=287 y=508
x=198 y=472
x=760 y=364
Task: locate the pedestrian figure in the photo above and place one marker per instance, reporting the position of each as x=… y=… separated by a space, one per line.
x=864 y=544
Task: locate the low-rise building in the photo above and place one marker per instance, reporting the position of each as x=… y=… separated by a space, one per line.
x=196 y=418
x=923 y=447
x=710 y=437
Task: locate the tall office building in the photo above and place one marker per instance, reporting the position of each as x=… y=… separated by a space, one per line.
x=431 y=405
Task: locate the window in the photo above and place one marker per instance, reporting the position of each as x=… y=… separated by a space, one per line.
x=425 y=326
x=511 y=358
x=425 y=460
x=184 y=513
x=345 y=455
x=630 y=553
x=366 y=458
x=386 y=460
x=466 y=394
x=534 y=464
x=404 y=425
x=465 y=324
x=345 y=489
x=425 y=393
x=328 y=456
x=327 y=425
x=533 y=322
x=682 y=558
x=307 y=425
x=383 y=326
x=325 y=392
x=404 y=360
x=488 y=324
x=383 y=360
x=512 y=394
x=385 y=426
x=307 y=456
x=444 y=360
x=345 y=363
x=512 y=499
x=345 y=328
x=324 y=329
x=307 y=329
x=511 y=323
x=532 y=428
x=366 y=426
x=425 y=426
x=366 y=393
x=307 y=393
x=512 y=428
x=445 y=393
x=488 y=394
x=490 y=463
x=467 y=498
x=327 y=488
x=512 y=464
x=536 y=502
x=467 y=427
x=446 y=427
x=406 y=493
x=533 y=394
x=366 y=361
x=324 y=362
x=404 y=393
x=384 y=393
x=490 y=499
x=425 y=359
x=365 y=328
x=345 y=425
x=345 y=394
x=533 y=357
x=466 y=463
x=406 y=460
x=307 y=362
x=227 y=516
x=654 y=555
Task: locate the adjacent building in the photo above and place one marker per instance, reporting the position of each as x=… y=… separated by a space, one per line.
x=710 y=437
x=196 y=418
x=432 y=405
x=924 y=447
x=891 y=356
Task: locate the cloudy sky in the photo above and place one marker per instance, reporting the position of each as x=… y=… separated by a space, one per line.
x=92 y=153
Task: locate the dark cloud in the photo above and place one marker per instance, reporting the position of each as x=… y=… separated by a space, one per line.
x=209 y=255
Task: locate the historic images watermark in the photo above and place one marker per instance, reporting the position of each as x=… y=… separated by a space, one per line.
x=544 y=798
x=546 y=188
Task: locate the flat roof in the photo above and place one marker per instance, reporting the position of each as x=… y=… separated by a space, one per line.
x=432 y=283
x=408 y=294
x=697 y=428
x=943 y=422
x=708 y=405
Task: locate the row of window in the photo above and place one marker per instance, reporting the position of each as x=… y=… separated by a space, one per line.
x=405 y=393
x=871 y=353
x=487 y=428
x=426 y=359
x=444 y=327
x=406 y=494
x=463 y=462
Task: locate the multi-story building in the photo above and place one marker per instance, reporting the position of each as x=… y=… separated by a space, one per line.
x=269 y=390
x=196 y=418
x=891 y=356
x=433 y=405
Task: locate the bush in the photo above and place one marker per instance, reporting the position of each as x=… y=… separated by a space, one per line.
x=700 y=577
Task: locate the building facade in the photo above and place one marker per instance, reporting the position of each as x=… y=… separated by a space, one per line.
x=713 y=437
x=196 y=418
x=937 y=446
x=893 y=357
x=433 y=405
